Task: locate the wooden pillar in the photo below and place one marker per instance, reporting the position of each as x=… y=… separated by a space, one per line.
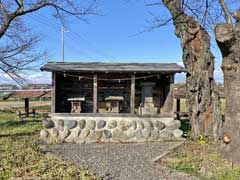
x=95 y=87
x=53 y=98
x=168 y=96
x=132 y=101
x=161 y=101
x=26 y=106
x=178 y=108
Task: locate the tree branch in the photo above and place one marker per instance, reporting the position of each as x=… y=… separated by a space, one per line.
x=226 y=12
x=17 y=50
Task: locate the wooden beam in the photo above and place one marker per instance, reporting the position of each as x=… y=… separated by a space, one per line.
x=132 y=101
x=168 y=96
x=178 y=108
x=171 y=94
x=26 y=106
x=95 y=87
x=53 y=100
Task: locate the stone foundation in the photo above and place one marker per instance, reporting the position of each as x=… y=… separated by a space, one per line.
x=109 y=129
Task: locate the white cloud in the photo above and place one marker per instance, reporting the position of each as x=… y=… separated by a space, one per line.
x=180 y=63
x=29 y=78
x=181 y=77
x=218 y=75
x=45 y=77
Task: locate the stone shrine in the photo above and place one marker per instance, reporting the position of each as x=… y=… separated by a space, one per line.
x=147 y=99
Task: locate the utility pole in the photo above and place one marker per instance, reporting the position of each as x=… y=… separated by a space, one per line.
x=63 y=43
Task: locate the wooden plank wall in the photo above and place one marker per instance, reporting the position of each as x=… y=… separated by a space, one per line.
x=68 y=87
x=114 y=88
x=53 y=99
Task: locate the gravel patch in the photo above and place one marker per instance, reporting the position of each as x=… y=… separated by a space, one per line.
x=121 y=161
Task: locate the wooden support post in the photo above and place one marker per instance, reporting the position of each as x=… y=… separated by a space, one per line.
x=170 y=95
x=95 y=87
x=26 y=106
x=178 y=108
x=132 y=101
x=168 y=106
x=53 y=100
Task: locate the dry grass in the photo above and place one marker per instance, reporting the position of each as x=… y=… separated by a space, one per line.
x=20 y=155
x=183 y=105
x=202 y=159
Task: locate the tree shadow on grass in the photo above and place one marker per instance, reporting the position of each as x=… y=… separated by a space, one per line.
x=10 y=126
x=19 y=134
x=17 y=123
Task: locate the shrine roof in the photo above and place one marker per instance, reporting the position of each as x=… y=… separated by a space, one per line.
x=112 y=67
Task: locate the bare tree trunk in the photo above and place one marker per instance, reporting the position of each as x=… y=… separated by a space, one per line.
x=228 y=39
x=199 y=61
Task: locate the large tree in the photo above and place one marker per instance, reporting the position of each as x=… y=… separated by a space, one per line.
x=17 y=44
x=228 y=38
x=193 y=21
x=202 y=96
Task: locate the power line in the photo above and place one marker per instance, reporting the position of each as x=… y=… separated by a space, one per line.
x=57 y=27
x=82 y=52
x=63 y=31
x=77 y=38
x=87 y=42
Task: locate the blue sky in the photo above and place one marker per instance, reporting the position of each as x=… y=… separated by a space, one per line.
x=108 y=38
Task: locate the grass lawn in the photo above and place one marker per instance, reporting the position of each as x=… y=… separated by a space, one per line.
x=183 y=105
x=20 y=155
x=203 y=160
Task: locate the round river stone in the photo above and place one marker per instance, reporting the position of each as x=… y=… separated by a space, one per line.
x=139 y=134
x=159 y=125
x=148 y=125
x=174 y=124
x=96 y=135
x=134 y=125
x=85 y=133
x=177 y=133
x=76 y=132
x=74 y=135
x=140 y=125
x=70 y=124
x=44 y=133
x=82 y=124
x=154 y=135
x=124 y=125
x=54 y=132
x=165 y=134
x=146 y=133
x=112 y=124
x=119 y=135
x=101 y=124
x=130 y=133
x=65 y=133
x=91 y=124
x=70 y=139
x=47 y=123
x=107 y=134
x=60 y=124
x=116 y=133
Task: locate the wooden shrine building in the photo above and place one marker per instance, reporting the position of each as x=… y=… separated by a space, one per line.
x=97 y=90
